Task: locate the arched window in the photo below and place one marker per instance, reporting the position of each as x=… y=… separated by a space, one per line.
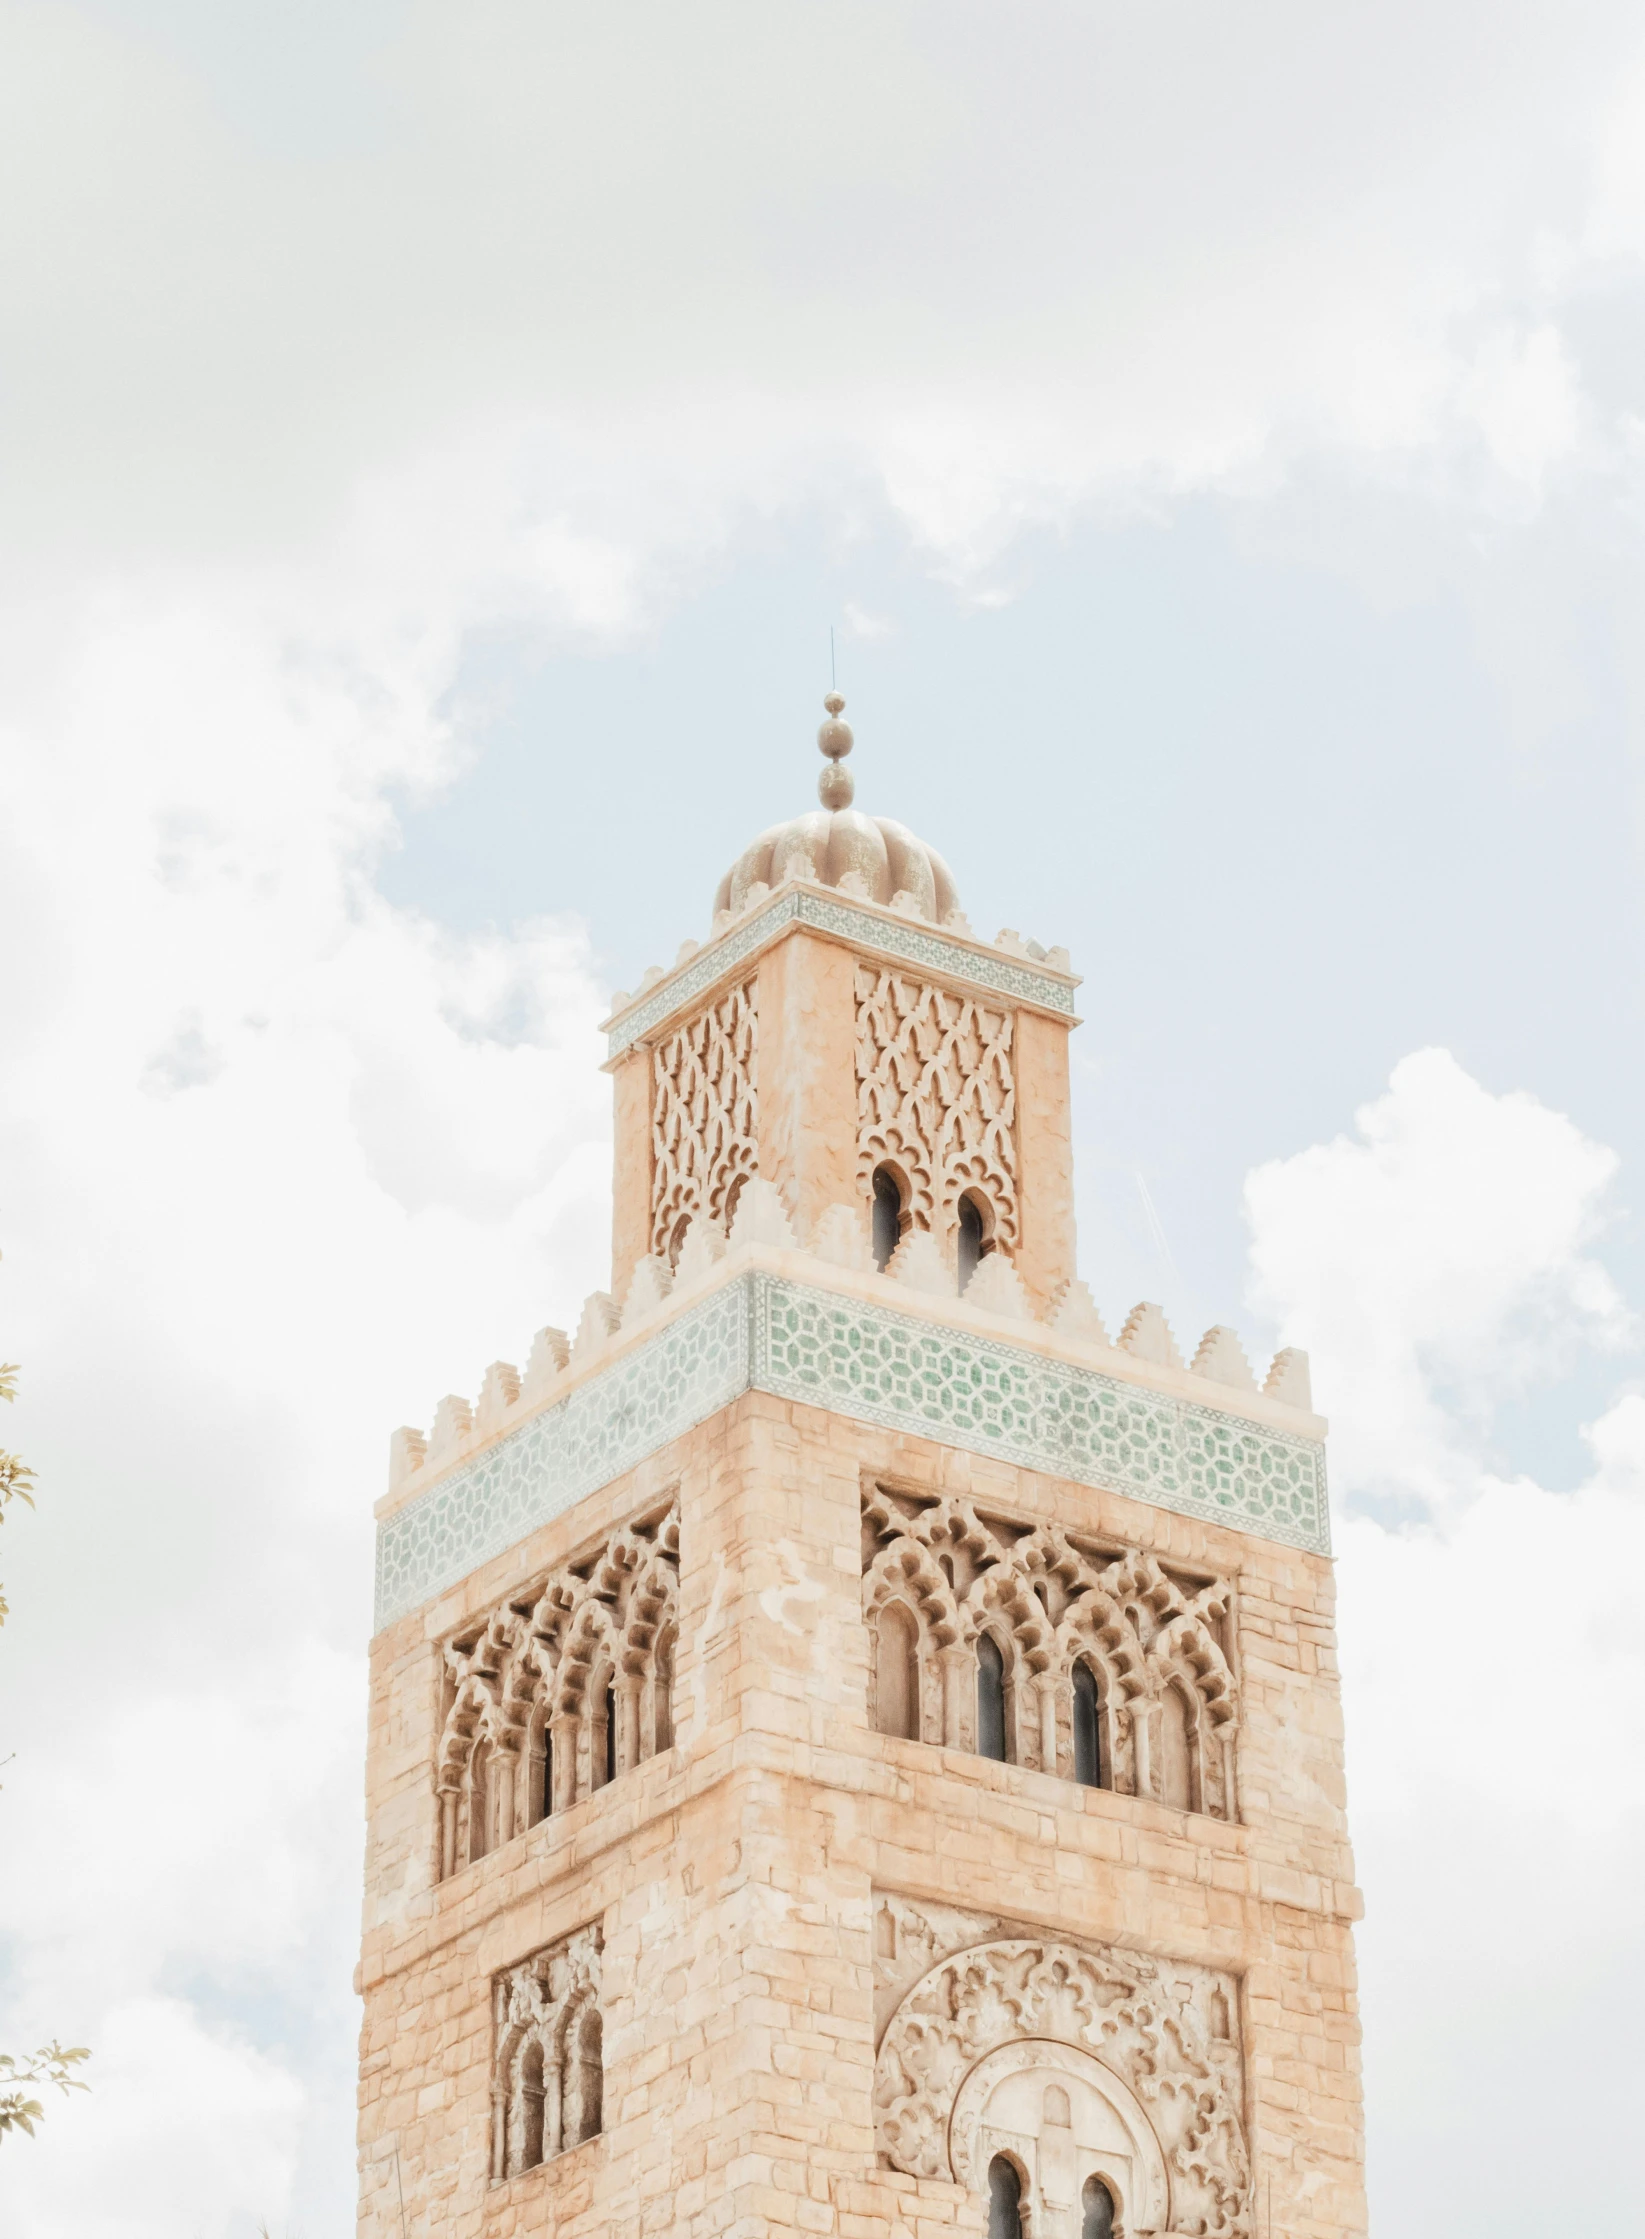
x=609 y=1721
x=973 y=1235
x=479 y=1801
x=1004 y=2199
x=1089 y=1769
x=662 y=1692
x=1174 y=1773
x=1096 y=2210
x=528 y=2106
x=542 y=1799
x=896 y=1673
x=584 y=2081
x=887 y=1215
x=990 y=1699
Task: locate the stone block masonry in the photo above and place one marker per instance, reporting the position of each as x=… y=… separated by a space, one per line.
x=736 y=1879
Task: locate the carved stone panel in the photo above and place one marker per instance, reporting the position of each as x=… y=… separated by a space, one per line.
x=1165 y=1703
x=936 y=1100
x=566 y=1683
x=703 y=1116
x=1077 y=2062
x=547 y=2072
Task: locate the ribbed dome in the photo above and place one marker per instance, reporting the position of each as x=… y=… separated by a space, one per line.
x=867 y=857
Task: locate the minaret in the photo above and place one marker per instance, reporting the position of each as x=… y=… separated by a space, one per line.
x=853 y=1749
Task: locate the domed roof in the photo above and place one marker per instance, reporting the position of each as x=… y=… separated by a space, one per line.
x=870 y=858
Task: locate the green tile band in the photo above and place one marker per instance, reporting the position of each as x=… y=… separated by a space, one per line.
x=876 y=1365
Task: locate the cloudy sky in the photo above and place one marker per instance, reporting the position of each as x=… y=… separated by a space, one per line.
x=435 y=445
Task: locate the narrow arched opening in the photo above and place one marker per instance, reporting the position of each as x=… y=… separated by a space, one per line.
x=1090 y=1767
x=1174 y=1774
x=896 y=1673
x=585 y=2081
x=479 y=1801
x=662 y=1692
x=1096 y=2210
x=1004 y=2198
x=528 y=2106
x=975 y=1235
x=990 y=1699
x=887 y=1215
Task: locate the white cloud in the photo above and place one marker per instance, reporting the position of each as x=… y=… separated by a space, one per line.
x=282 y=1162
x=996 y=264
x=1433 y=1264
x=1493 y=1666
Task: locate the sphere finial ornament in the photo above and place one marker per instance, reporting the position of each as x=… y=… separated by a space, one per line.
x=835 y=787
x=835 y=737
x=870 y=858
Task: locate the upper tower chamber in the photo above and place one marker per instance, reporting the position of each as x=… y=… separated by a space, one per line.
x=854 y=1749
x=900 y=1086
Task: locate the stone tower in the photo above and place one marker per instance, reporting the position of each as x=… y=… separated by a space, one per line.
x=854 y=1749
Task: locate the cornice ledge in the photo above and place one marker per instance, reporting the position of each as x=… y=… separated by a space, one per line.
x=869 y=925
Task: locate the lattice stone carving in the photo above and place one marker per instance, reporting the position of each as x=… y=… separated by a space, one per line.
x=936 y=1099
x=703 y=1108
x=562 y=1686
x=1051 y=1603
x=1126 y=2034
x=547 y=2079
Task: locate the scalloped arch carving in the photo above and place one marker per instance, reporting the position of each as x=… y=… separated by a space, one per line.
x=558 y=1689
x=547 y=2072
x=1050 y=1604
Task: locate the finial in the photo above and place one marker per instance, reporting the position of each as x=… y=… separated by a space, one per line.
x=835 y=787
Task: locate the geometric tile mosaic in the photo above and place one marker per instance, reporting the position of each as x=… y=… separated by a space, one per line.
x=878 y=1365
x=905 y=942
x=991 y=1397
x=694 y=1366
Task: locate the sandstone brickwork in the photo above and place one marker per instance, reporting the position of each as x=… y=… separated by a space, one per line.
x=735 y=1878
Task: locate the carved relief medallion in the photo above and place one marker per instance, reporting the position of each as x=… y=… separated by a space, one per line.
x=1078 y=2062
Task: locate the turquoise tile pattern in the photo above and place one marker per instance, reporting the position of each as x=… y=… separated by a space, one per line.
x=692 y=1367
x=877 y=1365
x=906 y=942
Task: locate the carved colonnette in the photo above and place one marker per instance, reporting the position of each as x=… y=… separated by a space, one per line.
x=704 y=1117
x=559 y=1688
x=939 y=1577
x=547 y=2071
x=1076 y=2061
x=936 y=1100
